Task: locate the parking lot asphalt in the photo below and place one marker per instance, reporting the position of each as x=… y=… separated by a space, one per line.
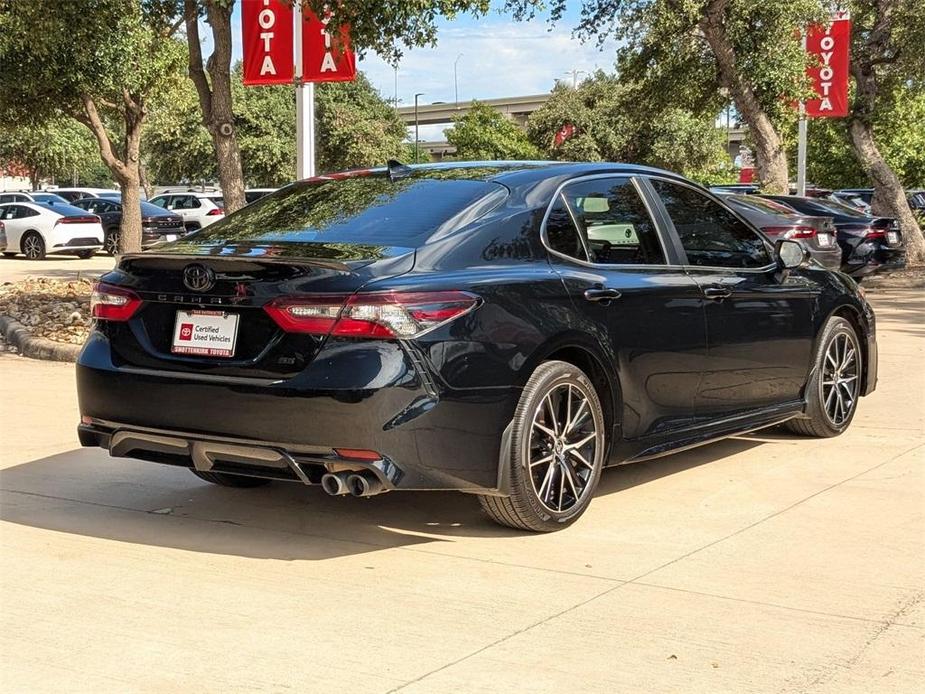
x=763 y=563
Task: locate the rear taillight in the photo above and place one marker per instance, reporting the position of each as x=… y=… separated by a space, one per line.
x=87 y=219
x=790 y=232
x=108 y=302
x=375 y=315
x=215 y=212
x=873 y=233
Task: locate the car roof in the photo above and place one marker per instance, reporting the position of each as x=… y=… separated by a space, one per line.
x=514 y=173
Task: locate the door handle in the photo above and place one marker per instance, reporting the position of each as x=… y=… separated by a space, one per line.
x=717 y=293
x=601 y=294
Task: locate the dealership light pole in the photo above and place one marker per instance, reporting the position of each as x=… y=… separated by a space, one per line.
x=304 y=107
x=416 y=139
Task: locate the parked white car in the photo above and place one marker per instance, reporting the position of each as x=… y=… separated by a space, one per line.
x=197 y=209
x=37 y=230
x=33 y=196
x=72 y=194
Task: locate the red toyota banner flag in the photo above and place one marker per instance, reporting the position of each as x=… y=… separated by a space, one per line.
x=266 y=26
x=326 y=54
x=829 y=44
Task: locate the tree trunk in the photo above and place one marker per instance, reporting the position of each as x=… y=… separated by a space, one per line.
x=145 y=183
x=770 y=156
x=130 y=184
x=215 y=94
x=34 y=178
x=889 y=197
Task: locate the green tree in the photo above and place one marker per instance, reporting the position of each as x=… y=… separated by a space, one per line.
x=685 y=51
x=58 y=148
x=486 y=134
x=831 y=160
x=886 y=53
x=355 y=128
x=612 y=121
x=97 y=62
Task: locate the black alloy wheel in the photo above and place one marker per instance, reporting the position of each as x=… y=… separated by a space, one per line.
x=833 y=390
x=557 y=451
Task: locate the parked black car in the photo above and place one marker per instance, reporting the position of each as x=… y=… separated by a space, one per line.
x=157 y=224
x=869 y=244
x=777 y=221
x=502 y=329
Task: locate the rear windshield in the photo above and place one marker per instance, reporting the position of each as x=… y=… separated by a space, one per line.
x=833 y=207
x=361 y=209
x=760 y=204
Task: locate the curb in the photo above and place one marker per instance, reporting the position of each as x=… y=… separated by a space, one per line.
x=36 y=347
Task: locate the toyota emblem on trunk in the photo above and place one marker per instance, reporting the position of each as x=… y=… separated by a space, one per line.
x=198 y=278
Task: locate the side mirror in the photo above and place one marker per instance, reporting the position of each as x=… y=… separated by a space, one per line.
x=790 y=254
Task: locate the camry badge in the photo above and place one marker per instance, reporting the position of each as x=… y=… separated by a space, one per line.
x=198 y=278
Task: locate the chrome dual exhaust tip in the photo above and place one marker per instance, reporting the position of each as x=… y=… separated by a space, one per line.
x=359 y=484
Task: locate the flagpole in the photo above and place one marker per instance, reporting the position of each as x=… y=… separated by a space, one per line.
x=304 y=106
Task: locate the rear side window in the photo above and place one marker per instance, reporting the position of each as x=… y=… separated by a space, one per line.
x=362 y=209
x=562 y=234
x=614 y=222
x=711 y=235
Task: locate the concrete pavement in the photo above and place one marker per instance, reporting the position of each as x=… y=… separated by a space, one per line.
x=765 y=563
x=60 y=267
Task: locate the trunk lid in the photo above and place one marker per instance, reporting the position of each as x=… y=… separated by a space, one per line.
x=236 y=281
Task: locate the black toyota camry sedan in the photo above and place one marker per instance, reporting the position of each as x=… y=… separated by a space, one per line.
x=503 y=329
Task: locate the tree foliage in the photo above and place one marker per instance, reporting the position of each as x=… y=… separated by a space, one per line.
x=486 y=134
x=691 y=54
x=613 y=123
x=97 y=62
x=59 y=149
x=886 y=54
x=831 y=162
x=355 y=128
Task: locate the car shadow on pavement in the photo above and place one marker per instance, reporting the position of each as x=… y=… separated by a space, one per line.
x=87 y=493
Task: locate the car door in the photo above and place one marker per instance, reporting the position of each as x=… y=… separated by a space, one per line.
x=759 y=320
x=14 y=220
x=631 y=292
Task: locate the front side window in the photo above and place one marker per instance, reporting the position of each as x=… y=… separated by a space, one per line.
x=711 y=235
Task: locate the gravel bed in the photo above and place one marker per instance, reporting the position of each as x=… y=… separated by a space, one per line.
x=57 y=310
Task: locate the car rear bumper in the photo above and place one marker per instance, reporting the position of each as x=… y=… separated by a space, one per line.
x=427 y=438
x=829 y=258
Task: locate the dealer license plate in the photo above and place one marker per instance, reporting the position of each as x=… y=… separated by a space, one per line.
x=205 y=333
x=170 y=237
x=892 y=238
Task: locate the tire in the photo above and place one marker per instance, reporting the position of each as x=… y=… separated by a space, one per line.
x=225 y=480
x=540 y=499
x=33 y=245
x=83 y=255
x=111 y=242
x=838 y=347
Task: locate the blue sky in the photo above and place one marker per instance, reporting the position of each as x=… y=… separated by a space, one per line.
x=500 y=57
